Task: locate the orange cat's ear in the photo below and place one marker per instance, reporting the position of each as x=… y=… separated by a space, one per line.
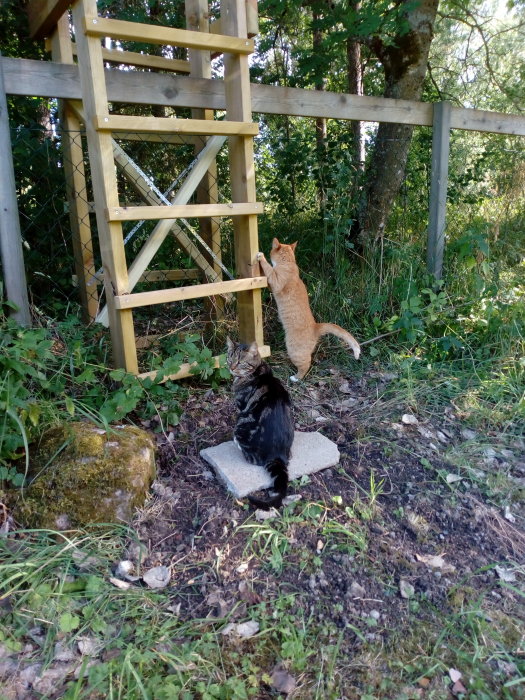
x=275 y=244
x=293 y=246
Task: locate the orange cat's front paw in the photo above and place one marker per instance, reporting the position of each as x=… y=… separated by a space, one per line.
x=260 y=256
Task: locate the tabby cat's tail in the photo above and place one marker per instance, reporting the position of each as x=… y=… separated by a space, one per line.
x=348 y=338
x=278 y=469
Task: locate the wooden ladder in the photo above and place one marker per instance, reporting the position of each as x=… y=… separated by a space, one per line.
x=238 y=127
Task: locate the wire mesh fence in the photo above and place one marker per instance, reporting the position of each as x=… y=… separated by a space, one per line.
x=59 y=227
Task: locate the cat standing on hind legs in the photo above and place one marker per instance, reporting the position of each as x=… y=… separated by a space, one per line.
x=302 y=332
x=264 y=430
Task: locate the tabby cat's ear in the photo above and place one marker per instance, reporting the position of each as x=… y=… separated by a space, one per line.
x=254 y=348
x=275 y=244
x=229 y=343
x=293 y=246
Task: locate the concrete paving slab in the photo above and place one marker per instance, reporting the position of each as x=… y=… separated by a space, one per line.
x=311 y=452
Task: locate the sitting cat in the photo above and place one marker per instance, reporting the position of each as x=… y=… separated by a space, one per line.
x=301 y=330
x=264 y=430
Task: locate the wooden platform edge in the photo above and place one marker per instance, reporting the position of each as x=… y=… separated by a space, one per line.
x=186 y=369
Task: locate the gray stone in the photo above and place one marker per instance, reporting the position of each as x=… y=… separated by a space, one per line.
x=311 y=452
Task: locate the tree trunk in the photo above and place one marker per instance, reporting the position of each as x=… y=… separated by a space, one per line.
x=405 y=65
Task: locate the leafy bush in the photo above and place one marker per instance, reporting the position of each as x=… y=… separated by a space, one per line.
x=61 y=373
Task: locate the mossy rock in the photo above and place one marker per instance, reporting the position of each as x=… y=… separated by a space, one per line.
x=82 y=474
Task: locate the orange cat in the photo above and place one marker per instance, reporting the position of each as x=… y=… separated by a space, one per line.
x=301 y=330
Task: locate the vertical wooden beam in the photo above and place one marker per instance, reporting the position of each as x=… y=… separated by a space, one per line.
x=76 y=189
x=103 y=176
x=242 y=172
x=197 y=19
x=438 y=188
x=13 y=270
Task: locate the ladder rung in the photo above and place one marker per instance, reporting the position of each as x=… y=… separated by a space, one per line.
x=196 y=291
x=183 y=211
x=169 y=125
x=154 y=34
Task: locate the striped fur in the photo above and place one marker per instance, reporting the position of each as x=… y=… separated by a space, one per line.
x=264 y=429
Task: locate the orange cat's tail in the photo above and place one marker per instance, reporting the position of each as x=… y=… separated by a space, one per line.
x=333 y=329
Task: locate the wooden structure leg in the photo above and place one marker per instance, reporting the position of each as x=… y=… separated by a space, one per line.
x=197 y=19
x=10 y=236
x=62 y=52
x=438 y=189
x=92 y=79
x=242 y=172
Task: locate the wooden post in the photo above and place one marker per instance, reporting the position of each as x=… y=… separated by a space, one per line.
x=197 y=19
x=76 y=189
x=94 y=95
x=10 y=237
x=438 y=188
x=242 y=172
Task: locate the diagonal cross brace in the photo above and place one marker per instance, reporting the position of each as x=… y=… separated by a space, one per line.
x=161 y=230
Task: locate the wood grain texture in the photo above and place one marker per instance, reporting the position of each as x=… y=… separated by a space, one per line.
x=170 y=125
x=151 y=33
x=196 y=291
x=47 y=79
x=104 y=181
x=144 y=60
x=184 y=211
x=43 y=16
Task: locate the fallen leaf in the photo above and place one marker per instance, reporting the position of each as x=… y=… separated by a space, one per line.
x=424 y=682
x=406 y=589
x=282 y=681
x=123 y=585
x=292 y=498
x=345 y=388
x=436 y=561
x=242 y=568
x=508 y=515
x=452 y=478
x=126 y=570
x=507 y=575
x=247 y=594
x=261 y=515
x=409 y=419
x=454 y=674
x=157 y=577
x=458 y=688
x=244 y=630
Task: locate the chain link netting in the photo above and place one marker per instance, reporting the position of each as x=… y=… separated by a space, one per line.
x=59 y=228
x=486 y=175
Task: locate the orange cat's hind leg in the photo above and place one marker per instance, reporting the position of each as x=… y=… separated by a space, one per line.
x=302 y=369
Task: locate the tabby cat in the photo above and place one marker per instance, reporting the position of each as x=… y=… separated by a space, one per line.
x=264 y=430
x=302 y=333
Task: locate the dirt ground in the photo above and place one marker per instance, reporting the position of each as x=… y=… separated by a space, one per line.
x=421 y=527
x=421 y=520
